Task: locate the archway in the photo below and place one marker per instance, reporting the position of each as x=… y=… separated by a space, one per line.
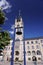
x=16 y=52
x=34 y=58
x=16 y=59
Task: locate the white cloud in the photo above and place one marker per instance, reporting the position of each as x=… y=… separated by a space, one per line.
x=11 y=32
x=5 y=5
x=12 y=27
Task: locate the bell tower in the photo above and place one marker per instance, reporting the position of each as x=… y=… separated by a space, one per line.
x=19 y=27
x=18 y=49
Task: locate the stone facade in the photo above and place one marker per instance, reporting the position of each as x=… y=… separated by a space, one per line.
x=33 y=46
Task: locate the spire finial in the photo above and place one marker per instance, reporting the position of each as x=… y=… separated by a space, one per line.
x=19 y=12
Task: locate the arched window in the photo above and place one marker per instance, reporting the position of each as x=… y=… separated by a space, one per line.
x=38 y=52
x=18 y=20
x=16 y=52
x=32 y=47
x=28 y=52
x=34 y=58
x=16 y=59
x=33 y=52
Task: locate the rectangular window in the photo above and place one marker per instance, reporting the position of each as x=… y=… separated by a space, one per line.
x=27 y=47
x=29 y=58
x=27 y=42
x=36 y=41
x=37 y=46
x=41 y=41
x=32 y=47
x=39 y=58
x=32 y=42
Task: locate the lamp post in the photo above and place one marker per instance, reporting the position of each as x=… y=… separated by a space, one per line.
x=12 y=53
x=24 y=49
x=24 y=53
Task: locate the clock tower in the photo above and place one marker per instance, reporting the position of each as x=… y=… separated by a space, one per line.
x=18 y=47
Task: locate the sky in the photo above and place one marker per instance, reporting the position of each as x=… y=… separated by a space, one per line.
x=31 y=12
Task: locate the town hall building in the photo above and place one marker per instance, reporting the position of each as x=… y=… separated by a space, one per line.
x=33 y=46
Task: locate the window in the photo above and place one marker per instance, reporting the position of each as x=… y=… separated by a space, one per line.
x=36 y=41
x=37 y=46
x=28 y=52
x=38 y=52
x=32 y=47
x=28 y=47
x=39 y=58
x=33 y=52
x=32 y=42
x=34 y=58
x=18 y=25
x=16 y=59
x=41 y=41
x=16 y=52
x=27 y=42
x=18 y=20
x=29 y=58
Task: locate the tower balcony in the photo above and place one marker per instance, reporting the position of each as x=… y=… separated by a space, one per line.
x=18 y=32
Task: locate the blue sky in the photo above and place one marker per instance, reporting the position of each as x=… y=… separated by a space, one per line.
x=31 y=12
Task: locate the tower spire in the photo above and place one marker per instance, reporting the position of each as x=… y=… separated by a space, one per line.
x=19 y=13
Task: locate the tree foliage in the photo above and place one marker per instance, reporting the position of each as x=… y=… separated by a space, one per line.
x=4 y=39
x=2 y=16
x=4 y=36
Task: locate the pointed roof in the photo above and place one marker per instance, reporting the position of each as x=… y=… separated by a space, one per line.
x=19 y=16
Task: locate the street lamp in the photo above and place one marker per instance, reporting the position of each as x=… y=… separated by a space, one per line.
x=12 y=53
x=24 y=53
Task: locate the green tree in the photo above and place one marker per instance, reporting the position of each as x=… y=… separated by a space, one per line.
x=4 y=39
x=4 y=36
x=2 y=17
